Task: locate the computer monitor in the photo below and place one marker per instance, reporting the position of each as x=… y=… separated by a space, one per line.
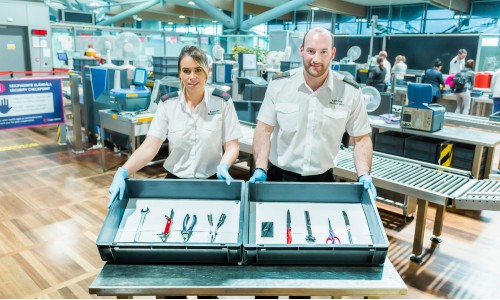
x=62 y=56
x=140 y=76
x=247 y=61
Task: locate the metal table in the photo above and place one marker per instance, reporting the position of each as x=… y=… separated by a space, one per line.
x=127 y=280
x=478 y=138
x=132 y=125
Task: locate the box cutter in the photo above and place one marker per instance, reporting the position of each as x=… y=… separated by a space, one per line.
x=164 y=235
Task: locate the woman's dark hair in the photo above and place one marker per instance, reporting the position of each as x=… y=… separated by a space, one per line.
x=438 y=63
x=197 y=55
x=380 y=62
x=470 y=64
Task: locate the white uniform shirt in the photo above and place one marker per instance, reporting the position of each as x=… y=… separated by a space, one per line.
x=387 y=67
x=456 y=65
x=195 y=137
x=495 y=84
x=308 y=126
x=400 y=70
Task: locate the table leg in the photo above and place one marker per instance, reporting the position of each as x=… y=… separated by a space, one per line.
x=438 y=224
x=418 y=240
x=103 y=151
x=476 y=163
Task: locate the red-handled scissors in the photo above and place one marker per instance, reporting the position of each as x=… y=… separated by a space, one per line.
x=332 y=238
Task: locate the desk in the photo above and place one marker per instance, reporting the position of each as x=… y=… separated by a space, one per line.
x=480 y=139
x=126 y=280
x=127 y=124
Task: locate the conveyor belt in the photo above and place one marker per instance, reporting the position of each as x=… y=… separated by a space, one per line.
x=426 y=181
x=472 y=121
x=479 y=195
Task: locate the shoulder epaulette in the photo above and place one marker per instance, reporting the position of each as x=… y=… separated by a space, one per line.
x=351 y=82
x=221 y=93
x=170 y=96
x=281 y=75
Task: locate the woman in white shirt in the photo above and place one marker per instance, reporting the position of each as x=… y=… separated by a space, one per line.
x=198 y=122
x=399 y=69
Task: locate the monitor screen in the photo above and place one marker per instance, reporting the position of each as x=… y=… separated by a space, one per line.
x=140 y=76
x=62 y=56
x=249 y=61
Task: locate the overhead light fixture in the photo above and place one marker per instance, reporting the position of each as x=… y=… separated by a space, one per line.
x=314 y=8
x=214 y=21
x=138 y=19
x=182 y=17
x=191 y=3
x=170 y=23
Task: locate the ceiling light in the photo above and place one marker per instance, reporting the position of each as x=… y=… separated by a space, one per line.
x=138 y=19
x=181 y=16
x=214 y=21
x=170 y=23
x=191 y=3
x=315 y=8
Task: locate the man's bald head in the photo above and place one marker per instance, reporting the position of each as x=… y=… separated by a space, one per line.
x=318 y=30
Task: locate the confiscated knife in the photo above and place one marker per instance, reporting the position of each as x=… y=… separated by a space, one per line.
x=166 y=232
x=347 y=226
x=309 y=238
x=288 y=227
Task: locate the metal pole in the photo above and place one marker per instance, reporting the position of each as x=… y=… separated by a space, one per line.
x=77 y=120
x=373 y=23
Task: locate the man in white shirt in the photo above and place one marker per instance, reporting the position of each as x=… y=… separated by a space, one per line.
x=387 y=65
x=307 y=110
x=458 y=62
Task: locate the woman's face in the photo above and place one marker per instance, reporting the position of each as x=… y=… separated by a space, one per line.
x=192 y=75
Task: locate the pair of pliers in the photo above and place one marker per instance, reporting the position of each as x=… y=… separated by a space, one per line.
x=187 y=231
x=164 y=235
x=332 y=238
x=213 y=231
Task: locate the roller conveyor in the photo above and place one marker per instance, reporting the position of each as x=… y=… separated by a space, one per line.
x=427 y=181
x=479 y=195
x=471 y=121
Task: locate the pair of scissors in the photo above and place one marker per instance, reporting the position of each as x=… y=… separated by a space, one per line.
x=187 y=231
x=332 y=238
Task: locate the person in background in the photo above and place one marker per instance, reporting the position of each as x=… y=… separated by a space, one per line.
x=458 y=62
x=495 y=90
x=462 y=89
x=90 y=52
x=399 y=69
x=387 y=66
x=376 y=77
x=434 y=77
x=198 y=121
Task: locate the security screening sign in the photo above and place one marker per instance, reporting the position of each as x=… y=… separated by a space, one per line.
x=30 y=103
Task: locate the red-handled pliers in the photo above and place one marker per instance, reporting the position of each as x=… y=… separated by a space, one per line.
x=164 y=235
x=332 y=238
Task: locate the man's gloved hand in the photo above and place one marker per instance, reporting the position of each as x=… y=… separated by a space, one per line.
x=117 y=188
x=366 y=180
x=223 y=173
x=258 y=175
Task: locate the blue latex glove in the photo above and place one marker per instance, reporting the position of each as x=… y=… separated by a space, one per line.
x=223 y=173
x=387 y=83
x=366 y=180
x=258 y=175
x=117 y=188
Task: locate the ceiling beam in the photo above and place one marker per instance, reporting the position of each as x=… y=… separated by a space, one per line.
x=455 y=5
x=341 y=7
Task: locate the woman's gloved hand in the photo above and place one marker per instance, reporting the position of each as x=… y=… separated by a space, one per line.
x=258 y=175
x=223 y=173
x=117 y=188
x=366 y=180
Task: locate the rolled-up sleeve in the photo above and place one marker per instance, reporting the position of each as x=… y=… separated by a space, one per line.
x=231 y=129
x=267 y=112
x=159 y=125
x=358 y=123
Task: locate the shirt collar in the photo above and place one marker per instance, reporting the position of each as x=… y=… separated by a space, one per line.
x=205 y=101
x=302 y=81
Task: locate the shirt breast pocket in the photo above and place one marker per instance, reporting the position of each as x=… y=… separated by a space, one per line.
x=333 y=119
x=288 y=116
x=212 y=131
x=177 y=138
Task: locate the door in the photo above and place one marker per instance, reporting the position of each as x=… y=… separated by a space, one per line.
x=13 y=49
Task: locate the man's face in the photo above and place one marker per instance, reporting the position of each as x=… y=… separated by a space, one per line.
x=317 y=53
x=462 y=55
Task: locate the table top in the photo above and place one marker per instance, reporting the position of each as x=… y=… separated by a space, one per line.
x=232 y=280
x=450 y=133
